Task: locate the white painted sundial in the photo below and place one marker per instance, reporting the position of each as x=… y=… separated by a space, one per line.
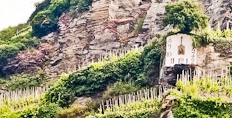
x=179 y=50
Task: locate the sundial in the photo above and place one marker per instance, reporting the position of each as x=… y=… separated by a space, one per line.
x=179 y=50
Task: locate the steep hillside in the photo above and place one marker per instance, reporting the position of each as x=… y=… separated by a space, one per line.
x=109 y=48
x=108 y=26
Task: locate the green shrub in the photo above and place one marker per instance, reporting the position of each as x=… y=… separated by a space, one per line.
x=7 y=51
x=11 y=115
x=72 y=112
x=23 y=81
x=120 y=88
x=139 y=26
x=41 y=111
x=196 y=107
x=197 y=99
x=10 y=44
x=186 y=15
x=211 y=37
x=2 y=82
x=40 y=7
x=44 y=23
x=32 y=42
x=34 y=111
x=20 y=46
x=9 y=32
x=93 y=106
x=45 y=18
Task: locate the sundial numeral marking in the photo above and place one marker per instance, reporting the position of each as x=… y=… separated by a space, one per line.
x=169 y=54
x=181 y=60
x=169 y=46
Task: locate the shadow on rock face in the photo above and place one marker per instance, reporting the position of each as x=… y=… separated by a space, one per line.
x=1 y=69
x=170 y=73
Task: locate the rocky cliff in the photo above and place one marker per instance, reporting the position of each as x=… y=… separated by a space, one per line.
x=109 y=26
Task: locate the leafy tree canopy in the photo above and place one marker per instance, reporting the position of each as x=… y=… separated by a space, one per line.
x=186 y=15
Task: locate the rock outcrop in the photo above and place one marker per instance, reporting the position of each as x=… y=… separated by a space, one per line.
x=109 y=26
x=219 y=12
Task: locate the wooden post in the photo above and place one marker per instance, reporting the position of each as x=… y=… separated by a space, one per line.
x=111 y=105
x=103 y=106
x=152 y=96
x=130 y=98
x=107 y=104
x=116 y=101
x=155 y=93
x=140 y=93
x=145 y=94
x=159 y=94
x=101 y=109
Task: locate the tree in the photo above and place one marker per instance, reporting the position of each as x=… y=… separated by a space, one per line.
x=186 y=15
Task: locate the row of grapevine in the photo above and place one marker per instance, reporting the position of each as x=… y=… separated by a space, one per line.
x=124 y=100
x=20 y=98
x=215 y=76
x=22 y=31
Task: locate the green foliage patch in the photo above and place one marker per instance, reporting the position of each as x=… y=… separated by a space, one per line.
x=186 y=15
x=41 y=111
x=120 y=88
x=10 y=50
x=7 y=51
x=72 y=112
x=23 y=81
x=139 y=26
x=45 y=18
x=212 y=37
x=203 y=98
x=37 y=111
x=9 y=32
x=193 y=106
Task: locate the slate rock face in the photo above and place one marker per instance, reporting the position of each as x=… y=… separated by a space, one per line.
x=27 y=61
x=108 y=26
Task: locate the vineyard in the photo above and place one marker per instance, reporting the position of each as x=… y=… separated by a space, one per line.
x=122 y=83
x=21 y=99
x=203 y=86
x=206 y=89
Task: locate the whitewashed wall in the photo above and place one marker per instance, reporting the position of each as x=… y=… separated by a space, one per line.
x=172 y=57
